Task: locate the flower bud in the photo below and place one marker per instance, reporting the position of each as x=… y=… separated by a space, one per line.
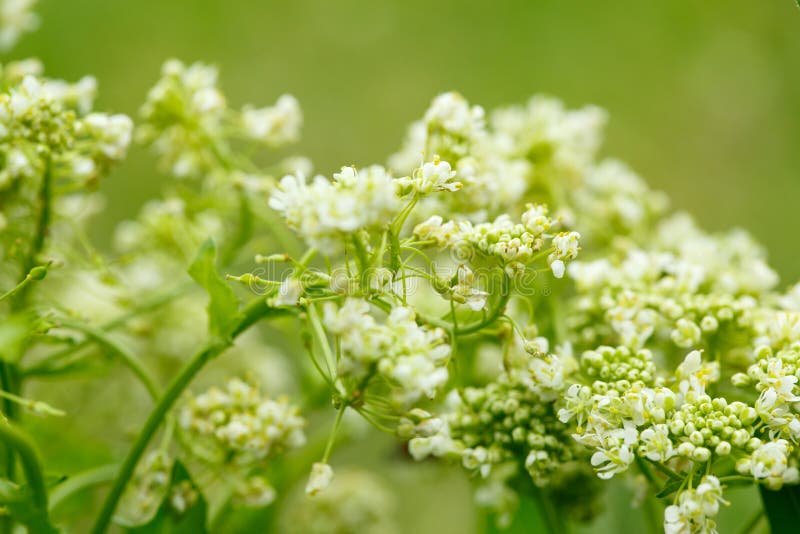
x=321 y=477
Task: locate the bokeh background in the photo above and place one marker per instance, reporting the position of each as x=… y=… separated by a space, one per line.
x=704 y=97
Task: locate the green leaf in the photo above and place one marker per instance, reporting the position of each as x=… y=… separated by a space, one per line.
x=223 y=306
x=190 y=519
x=19 y=503
x=782 y=508
x=670 y=486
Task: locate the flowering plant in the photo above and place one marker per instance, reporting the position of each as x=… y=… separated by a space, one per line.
x=495 y=296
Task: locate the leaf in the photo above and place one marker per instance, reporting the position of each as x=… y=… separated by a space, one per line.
x=19 y=503
x=782 y=508
x=51 y=480
x=674 y=484
x=223 y=306
x=670 y=486
x=191 y=519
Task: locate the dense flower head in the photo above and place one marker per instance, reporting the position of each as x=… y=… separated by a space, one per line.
x=411 y=358
x=583 y=332
x=324 y=212
x=240 y=422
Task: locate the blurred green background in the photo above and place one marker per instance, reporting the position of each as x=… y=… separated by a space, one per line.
x=704 y=97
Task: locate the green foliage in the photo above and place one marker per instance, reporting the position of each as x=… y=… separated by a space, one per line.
x=19 y=501
x=223 y=306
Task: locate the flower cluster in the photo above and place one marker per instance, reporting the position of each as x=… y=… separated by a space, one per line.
x=412 y=359
x=674 y=358
x=325 y=212
x=187 y=119
x=238 y=424
x=514 y=245
x=50 y=141
x=695 y=508
x=16 y=18
x=665 y=318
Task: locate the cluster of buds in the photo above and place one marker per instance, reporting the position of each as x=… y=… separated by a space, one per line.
x=239 y=425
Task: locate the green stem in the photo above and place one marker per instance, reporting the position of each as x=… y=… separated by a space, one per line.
x=334 y=430
x=554 y=522
x=45 y=366
x=470 y=328
x=43 y=223
x=496 y=312
x=251 y=314
x=9 y=373
x=19 y=441
x=243 y=232
x=647 y=473
x=666 y=470
x=322 y=338
x=397 y=225
x=81 y=481
x=128 y=358
x=36 y=273
x=363 y=262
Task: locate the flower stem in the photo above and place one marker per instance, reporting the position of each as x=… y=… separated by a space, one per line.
x=19 y=441
x=257 y=310
x=81 y=481
x=334 y=430
x=34 y=274
x=128 y=358
x=47 y=365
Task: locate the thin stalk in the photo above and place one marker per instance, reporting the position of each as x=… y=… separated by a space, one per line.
x=80 y=482
x=554 y=522
x=9 y=373
x=36 y=273
x=319 y=332
x=128 y=358
x=43 y=222
x=254 y=312
x=45 y=366
x=29 y=458
x=334 y=430
x=666 y=470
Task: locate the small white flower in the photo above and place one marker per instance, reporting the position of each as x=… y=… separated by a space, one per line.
x=770 y=463
x=558 y=268
x=452 y=113
x=276 y=125
x=656 y=443
x=289 y=293
x=111 y=132
x=320 y=478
